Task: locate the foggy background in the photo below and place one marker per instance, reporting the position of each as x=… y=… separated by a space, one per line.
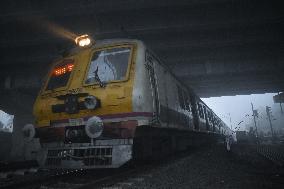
x=239 y=109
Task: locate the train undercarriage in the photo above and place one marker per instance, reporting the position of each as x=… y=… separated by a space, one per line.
x=148 y=143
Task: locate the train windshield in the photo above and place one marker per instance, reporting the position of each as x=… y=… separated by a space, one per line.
x=108 y=65
x=60 y=74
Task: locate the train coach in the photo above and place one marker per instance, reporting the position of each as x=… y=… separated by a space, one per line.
x=108 y=102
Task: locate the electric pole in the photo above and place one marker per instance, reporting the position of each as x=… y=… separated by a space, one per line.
x=254 y=114
x=230 y=120
x=268 y=112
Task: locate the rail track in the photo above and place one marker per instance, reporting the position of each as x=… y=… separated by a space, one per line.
x=274 y=153
x=88 y=179
x=80 y=179
x=122 y=177
x=59 y=179
x=128 y=176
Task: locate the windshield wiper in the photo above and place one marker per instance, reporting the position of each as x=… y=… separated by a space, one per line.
x=102 y=84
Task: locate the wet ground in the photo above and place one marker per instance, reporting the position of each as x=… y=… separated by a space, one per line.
x=211 y=168
x=202 y=168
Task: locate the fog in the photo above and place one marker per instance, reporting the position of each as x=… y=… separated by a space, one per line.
x=239 y=109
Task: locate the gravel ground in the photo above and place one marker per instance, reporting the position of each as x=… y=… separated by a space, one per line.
x=210 y=168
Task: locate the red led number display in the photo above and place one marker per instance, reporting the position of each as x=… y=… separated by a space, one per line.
x=63 y=70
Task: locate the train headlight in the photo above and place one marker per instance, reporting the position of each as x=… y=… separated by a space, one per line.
x=28 y=132
x=94 y=127
x=83 y=40
x=91 y=102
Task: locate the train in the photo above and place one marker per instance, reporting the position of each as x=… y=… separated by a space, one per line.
x=114 y=100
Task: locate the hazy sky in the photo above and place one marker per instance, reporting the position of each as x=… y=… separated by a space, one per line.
x=238 y=106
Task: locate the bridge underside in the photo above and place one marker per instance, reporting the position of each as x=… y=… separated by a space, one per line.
x=217 y=48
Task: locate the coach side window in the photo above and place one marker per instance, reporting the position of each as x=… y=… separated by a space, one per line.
x=180 y=97
x=187 y=102
x=200 y=110
x=210 y=117
x=214 y=122
x=205 y=112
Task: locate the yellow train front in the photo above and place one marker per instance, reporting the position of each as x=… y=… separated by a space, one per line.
x=85 y=115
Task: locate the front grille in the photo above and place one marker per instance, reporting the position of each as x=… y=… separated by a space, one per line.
x=88 y=156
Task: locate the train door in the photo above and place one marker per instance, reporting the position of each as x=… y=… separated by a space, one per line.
x=188 y=110
x=153 y=81
x=165 y=106
x=184 y=113
x=162 y=90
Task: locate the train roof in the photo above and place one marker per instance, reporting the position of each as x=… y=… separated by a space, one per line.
x=104 y=42
x=98 y=43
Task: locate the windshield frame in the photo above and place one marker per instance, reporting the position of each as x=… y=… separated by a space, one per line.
x=45 y=91
x=131 y=46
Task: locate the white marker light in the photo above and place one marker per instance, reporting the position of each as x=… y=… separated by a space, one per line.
x=94 y=127
x=83 y=40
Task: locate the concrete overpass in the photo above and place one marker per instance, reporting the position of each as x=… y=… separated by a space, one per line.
x=220 y=47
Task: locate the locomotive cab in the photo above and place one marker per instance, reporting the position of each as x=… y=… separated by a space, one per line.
x=84 y=111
